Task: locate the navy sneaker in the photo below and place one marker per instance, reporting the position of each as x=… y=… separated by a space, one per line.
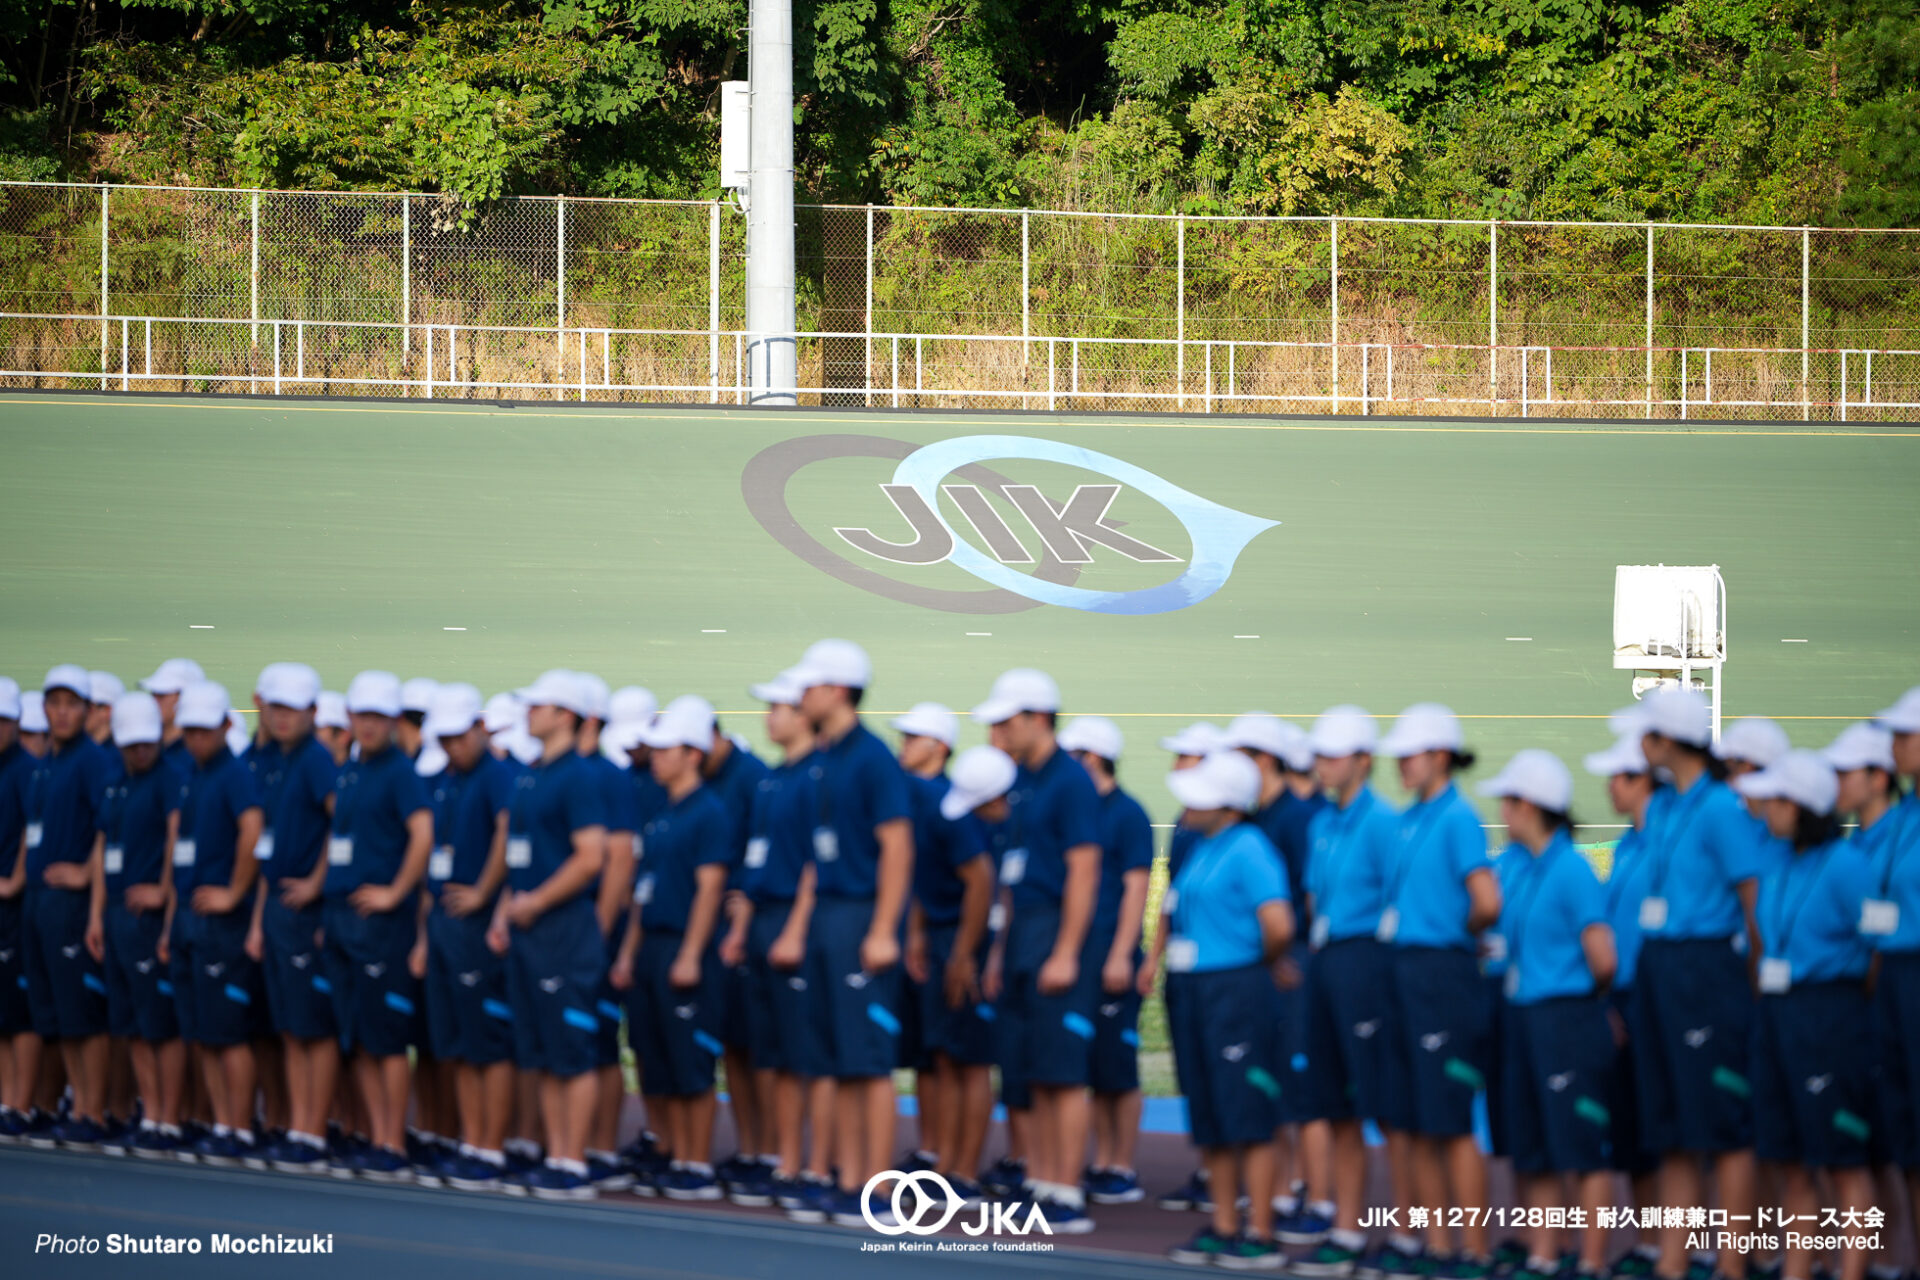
x=220 y=1149
x=550 y=1183
x=471 y=1173
x=348 y=1161
x=1304 y=1227
x=1201 y=1251
x=118 y=1138
x=735 y=1168
x=1250 y=1253
x=430 y=1165
x=845 y=1210
x=1065 y=1219
x=1191 y=1194
x=1384 y=1262
x=688 y=1184
x=788 y=1193
x=967 y=1192
x=154 y=1144
x=752 y=1191
x=39 y=1132
x=384 y=1164
x=77 y=1133
x=1006 y=1179
x=1328 y=1261
x=253 y=1153
x=1114 y=1186
x=916 y=1160
x=291 y=1156
x=607 y=1173
x=13 y=1125
x=813 y=1201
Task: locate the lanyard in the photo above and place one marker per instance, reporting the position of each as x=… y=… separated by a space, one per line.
x=1423 y=833
x=1784 y=924
x=1693 y=800
x=1321 y=873
x=1896 y=820
x=1617 y=880
x=1536 y=881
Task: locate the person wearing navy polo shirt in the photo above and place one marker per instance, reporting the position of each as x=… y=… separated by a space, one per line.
x=66 y=991
x=546 y=926
x=217 y=987
x=1350 y=1027
x=166 y=684
x=1814 y=1069
x=1557 y=1039
x=1052 y=871
x=377 y=853
x=669 y=962
x=862 y=833
x=1441 y=894
x=1229 y=917
x=139 y=822
x=15 y=1022
x=1695 y=1007
x=1126 y=846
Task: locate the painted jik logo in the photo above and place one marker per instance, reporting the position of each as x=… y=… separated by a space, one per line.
x=1067 y=528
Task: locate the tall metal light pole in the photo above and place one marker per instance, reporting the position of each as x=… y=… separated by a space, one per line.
x=772 y=351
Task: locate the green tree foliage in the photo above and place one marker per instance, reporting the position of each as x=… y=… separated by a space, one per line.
x=1711 y=110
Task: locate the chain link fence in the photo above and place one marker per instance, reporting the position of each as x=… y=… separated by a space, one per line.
x=139 y=288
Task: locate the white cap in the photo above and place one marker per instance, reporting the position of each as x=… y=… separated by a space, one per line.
x=239 y=737
x=1021 y=689
x=1682 y=715
x=504 y=711
x=417 y=694
x=104 y=687
x=1756 y=739
x=784 y=690
x=556 y=688
x=456 y=708
x=1535 y=776
x=1223 y=780
x=1093 y=733
x=203 y=705
x=9 y=698
x=330 y=710
x=75 y=679
x=836 y=662
x=136 y=718
x=1424 y=726
x=33 y=712
x=595 y=696
x=930 y=720
x=1343 y=731
x=1861 y=746
x=1281 y=739
x=1624 y=756
x=979 y=774
x=632 y=703
x=687 y=721
x=173 y=675
x=289 y=684
x=1197 y=739
x=1904 y=715
x=375 y=692
x=1803 y=777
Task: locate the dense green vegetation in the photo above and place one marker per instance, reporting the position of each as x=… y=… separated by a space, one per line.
x=1714 y=110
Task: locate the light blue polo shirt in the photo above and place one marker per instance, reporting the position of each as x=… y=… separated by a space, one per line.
x=1809 y=913
x=1548 y=900
x=1441 y=843
x=1217 y=896
x=1349 y=862
x=1892 y=846
x=1626 y=887
x=1701 y=844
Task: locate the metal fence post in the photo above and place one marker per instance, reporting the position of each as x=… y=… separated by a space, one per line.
x=869 y=325
x=713 y=299
x=104 y=214
x=254 y=313
x=1180 y=308
x=1334 y=277
x=1649 y=320
x=1806 y=281
x=1026 y=294
x=406 y=275
x=560 y=305
x=1493 y=319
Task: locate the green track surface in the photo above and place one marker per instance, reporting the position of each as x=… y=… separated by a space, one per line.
x=617 y=540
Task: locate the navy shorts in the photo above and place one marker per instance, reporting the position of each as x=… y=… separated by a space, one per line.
x=1493 y=989
x=1443 y=1028
x=914 y=1053
x=375 y=996
x=964 y=1035
x=1691 y=1036
x=1047 y=1039
x=1556 y=1078
x=785 y=1035
x=1227 y=1054
x=136 y=1006
x=1628 y=1155
x=227 y=997
x=66 y=992
x=1349 y=1031
x=858 y=1011
x=675 y=1030
x=1290 y=1007
x=1896 y=1003
x=736 y=1004
x=1813 y=1069
x=15 y=1013
x=553 y=977
x=608 y=1010
x=299 y=995
x=468 y=1017
x=1116 y=1038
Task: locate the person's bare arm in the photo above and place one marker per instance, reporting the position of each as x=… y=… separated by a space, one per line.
x=880 y=950
x=1062 y=968
x=575 y=875
x=702 y=918
x=1603 y=961
x=1483 y=900
x=1276 y=927
x=1117 y=975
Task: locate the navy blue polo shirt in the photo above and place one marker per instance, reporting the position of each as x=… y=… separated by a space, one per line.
x=1349 y=865
x=1441 y=844
x=648 y=797
x=372 y=800
x=940 y=848
x=297 y=812
x=1180 y=847
x=734 y=785
x=133 y=819
x=1216 y=901
x=780 y=837
x=1701 y=845
x=623 y=811
x=1126 y=844
x=858 y=786
x=1547 y=902
x=1050 y=809
x=268 y=765
x=1626 y=887
x=15 y=767
x=176 y=754
x=1809 y=913
x=551 y=800
x=692 y=832
x=1287 y=822
x=217 y=794
x=466 y=808
x=77 y=777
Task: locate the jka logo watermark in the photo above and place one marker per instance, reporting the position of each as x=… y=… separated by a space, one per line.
x=935 y=1206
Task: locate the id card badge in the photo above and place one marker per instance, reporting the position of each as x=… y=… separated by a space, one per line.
x=339 y=851
x=519 y=852
x=1776 y=976
x=1321 y=931
x=643 y=890
x=1493 y=948
x=440 y=863
x=1389 y=926
x=1182 y=955
x=1170 y=903
x=263 y=847
x=33 y=836
x=826 y=844
x=1013 y=867
x=1879 y=918
x=116 y=859
x=996 y=917
x=183 y=853
x=1511 y=982
x=1653 y=914
x=757 y=853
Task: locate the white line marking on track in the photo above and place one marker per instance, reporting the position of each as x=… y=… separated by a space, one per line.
x=1246 y=637
x=453 y=628
x=713 y=631
x=199 y=626
x=1521 y=639
x=1784 y=641
x=979 y=633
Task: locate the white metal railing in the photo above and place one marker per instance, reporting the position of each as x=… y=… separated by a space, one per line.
x=909 y=370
